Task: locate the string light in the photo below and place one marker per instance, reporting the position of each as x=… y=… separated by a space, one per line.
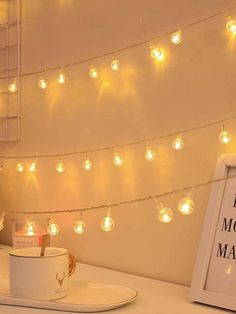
x=80 y=225
x=61 y=78
x=43 y=84
x=176 y=37
x=231 y=25
x=19 y=167
x=178 y=143
x=12 y=87
x=87 y=164
x=53 y=228
x=157 y=53
x=165 y=214
x=117 y=160
x=60 y=166
x=93 y=72
x=2 y=221
x=107 y=223
x=33 y=166
x=186 y=205
x=149 y=154
x=225 y=137
x=115 y=64
x=30 y=226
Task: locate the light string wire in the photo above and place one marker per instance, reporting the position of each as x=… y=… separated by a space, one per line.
x=142 y=141
x=110 y=53
x=132 y=201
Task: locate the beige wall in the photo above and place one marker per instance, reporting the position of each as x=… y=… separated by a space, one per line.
x=195 y=85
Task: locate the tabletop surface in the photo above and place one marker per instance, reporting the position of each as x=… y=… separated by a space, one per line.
x=154 y=296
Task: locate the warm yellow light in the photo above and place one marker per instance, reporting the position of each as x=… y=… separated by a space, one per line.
x=117 y=160
x=53 y=228
x=19 y=167
x=186 y=206
x=157 y=53
x=30 y=226
x=12 y=87
x=93 y=72
x=115 y=64
x=231 y=25
x=224 y=136
x=2 y=221
x=149 y=154
x=33 y=166
x=178 y=143
x=165 y=214
x=60 y=166
x=61 y=78
x=87 y=164
x=107 y=223
x=80 y=225
x=43 y=84
x=1 y=167
x=176 y=37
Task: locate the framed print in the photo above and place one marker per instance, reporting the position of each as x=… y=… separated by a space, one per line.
x=214 y=278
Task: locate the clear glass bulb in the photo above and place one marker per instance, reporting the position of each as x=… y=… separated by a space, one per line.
x=117 y=160
x=53 y=228
x=186 y=206
x=60 y=166
x=176 y=37
x=107 y=223
x=157 y=53
x=178 y=143
x=225 y=137
x=30 y=226
x=43 y=84
x=93 y=72
x=33 y=166
x=19 y=167
x=12 y=87
x=149 y=154
x=80 y=225
x=61 y=78
x=1 y=221
x=231 y=25
x=87 y=164
x=165 y=214
x=115 y=64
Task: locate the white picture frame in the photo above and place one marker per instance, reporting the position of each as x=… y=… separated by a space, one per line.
x=208 y=262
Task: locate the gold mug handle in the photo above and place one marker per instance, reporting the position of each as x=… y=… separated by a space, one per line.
x=72 y=264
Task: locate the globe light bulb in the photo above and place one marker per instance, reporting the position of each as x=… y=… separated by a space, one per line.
x=87 y=164
x=61 y=78
x=80 y=225
x=33 y=166
x=19 y=167
x=157 y=53
x=53 y=228
x=231 y=25
x=30 y=226
x=117 y=160
x=178 y=143
x=107 y=223
x=115 y=64
x=176 y=37
x=93 y=72
x=60 y=166
x=225 y=137
x=165 y=214
x=149 y=154
x=12 y=87
x=43 y=84
x=2 y=221
x=186 y=206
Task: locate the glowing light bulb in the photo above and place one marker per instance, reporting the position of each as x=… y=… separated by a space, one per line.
x=149 y=154
x=80 y=225
x=117 y=160
x=87 y=164
x=186 y=205
x=107 y=223
x=33 y=166
x=157 y=53
x=43 y=84
x=2 y=221
x=224 y=136
x=165 y=214
x=115 y=64
x=60 y=166
x=19 y=167
x=53 y=228
x=12 y=87
x=30 y=226
x=178 y=143
x=176 y=37
x=61 y=78
x=231 y=25
x=93 y=72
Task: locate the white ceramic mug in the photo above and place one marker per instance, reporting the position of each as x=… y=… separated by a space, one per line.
x=40 y=277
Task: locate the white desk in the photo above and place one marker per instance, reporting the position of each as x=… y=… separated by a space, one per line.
x=155 y=297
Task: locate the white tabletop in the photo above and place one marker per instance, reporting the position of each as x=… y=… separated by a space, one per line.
x=154 y=296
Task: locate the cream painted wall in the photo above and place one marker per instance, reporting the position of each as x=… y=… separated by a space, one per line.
x=195 y=85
